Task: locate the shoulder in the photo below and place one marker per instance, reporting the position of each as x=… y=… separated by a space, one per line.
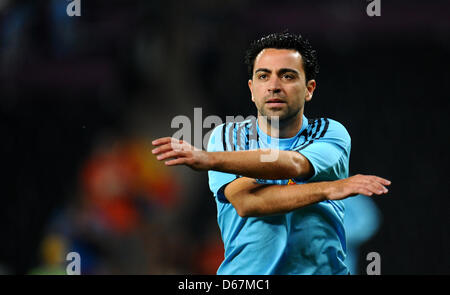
x=231 y=134
x=216 y=131
x=215 y=140
x=337 y=128
x=328 y=129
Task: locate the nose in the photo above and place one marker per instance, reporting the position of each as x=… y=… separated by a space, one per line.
x=274 y=90
x=274 y=86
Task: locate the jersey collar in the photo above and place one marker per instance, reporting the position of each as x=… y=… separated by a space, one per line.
x=283 y=142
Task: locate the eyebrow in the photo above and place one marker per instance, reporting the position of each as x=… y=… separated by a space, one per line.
x=280 y=71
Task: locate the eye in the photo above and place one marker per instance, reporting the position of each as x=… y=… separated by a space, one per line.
x=262 y=76
x=288 y=76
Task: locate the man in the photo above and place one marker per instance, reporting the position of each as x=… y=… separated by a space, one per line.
x=268 y=226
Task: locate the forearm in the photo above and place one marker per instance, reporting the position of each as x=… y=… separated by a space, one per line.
x=250 y=198
x=290 y=197
x=261 y=163
x=261 y=200
x=283 y=164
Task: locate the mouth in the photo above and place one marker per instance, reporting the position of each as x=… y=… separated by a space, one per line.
x=275 y=102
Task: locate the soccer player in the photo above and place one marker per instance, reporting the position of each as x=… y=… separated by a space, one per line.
x=284 y=215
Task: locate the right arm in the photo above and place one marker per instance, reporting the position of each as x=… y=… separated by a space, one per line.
x=284 y=164
x=250 y=198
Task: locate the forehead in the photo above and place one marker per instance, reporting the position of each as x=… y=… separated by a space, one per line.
x=271 y=58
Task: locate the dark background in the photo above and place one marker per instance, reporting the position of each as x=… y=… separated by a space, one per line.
x=74 y=88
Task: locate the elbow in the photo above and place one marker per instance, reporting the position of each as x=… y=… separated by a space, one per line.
x=244 y=198
x=295 y=171
x=247 y=213
x=242 y=210
x=242 y=213
x=255 y=211
x=300 y=167
x=296 y=166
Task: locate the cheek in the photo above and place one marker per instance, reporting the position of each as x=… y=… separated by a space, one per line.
x=298 y=92
x=257 y=95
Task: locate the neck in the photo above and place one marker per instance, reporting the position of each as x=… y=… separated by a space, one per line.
x=284 y=128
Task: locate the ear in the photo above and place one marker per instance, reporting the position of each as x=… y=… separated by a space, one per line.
x=310 y=87
x=250 y=86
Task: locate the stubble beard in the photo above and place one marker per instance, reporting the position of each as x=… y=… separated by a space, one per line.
x=282 y=117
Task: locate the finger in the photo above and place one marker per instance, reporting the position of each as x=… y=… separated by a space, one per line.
x=364 y=191
x=380 y=188
x=376 y=181
x=168 y=147
x=383 y=181
x=162 y=149
x=376 y=188
x=165 y=148
x=160 y=141
x=179 y=161
x=165 y=140
x=171 y=154
x=380 y=179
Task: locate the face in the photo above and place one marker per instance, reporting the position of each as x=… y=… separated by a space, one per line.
x=278 y=85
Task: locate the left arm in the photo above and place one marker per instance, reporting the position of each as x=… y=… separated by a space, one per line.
x=252 y=199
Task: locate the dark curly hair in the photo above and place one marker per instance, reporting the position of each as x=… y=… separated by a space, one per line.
x=284 y=40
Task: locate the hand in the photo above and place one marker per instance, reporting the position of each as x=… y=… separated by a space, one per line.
x=182 y=153
x=359 y=184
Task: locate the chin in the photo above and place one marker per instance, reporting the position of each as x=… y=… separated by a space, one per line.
x=284 y=116
x=281 y=115
x=281 y=112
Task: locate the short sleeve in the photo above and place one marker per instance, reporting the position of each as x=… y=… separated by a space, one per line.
x=218 y=180
x=328 y=153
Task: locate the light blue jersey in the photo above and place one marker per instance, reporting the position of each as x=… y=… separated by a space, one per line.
x=309 y=240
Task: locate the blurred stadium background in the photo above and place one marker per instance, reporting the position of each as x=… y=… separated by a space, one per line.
x=81 y=98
